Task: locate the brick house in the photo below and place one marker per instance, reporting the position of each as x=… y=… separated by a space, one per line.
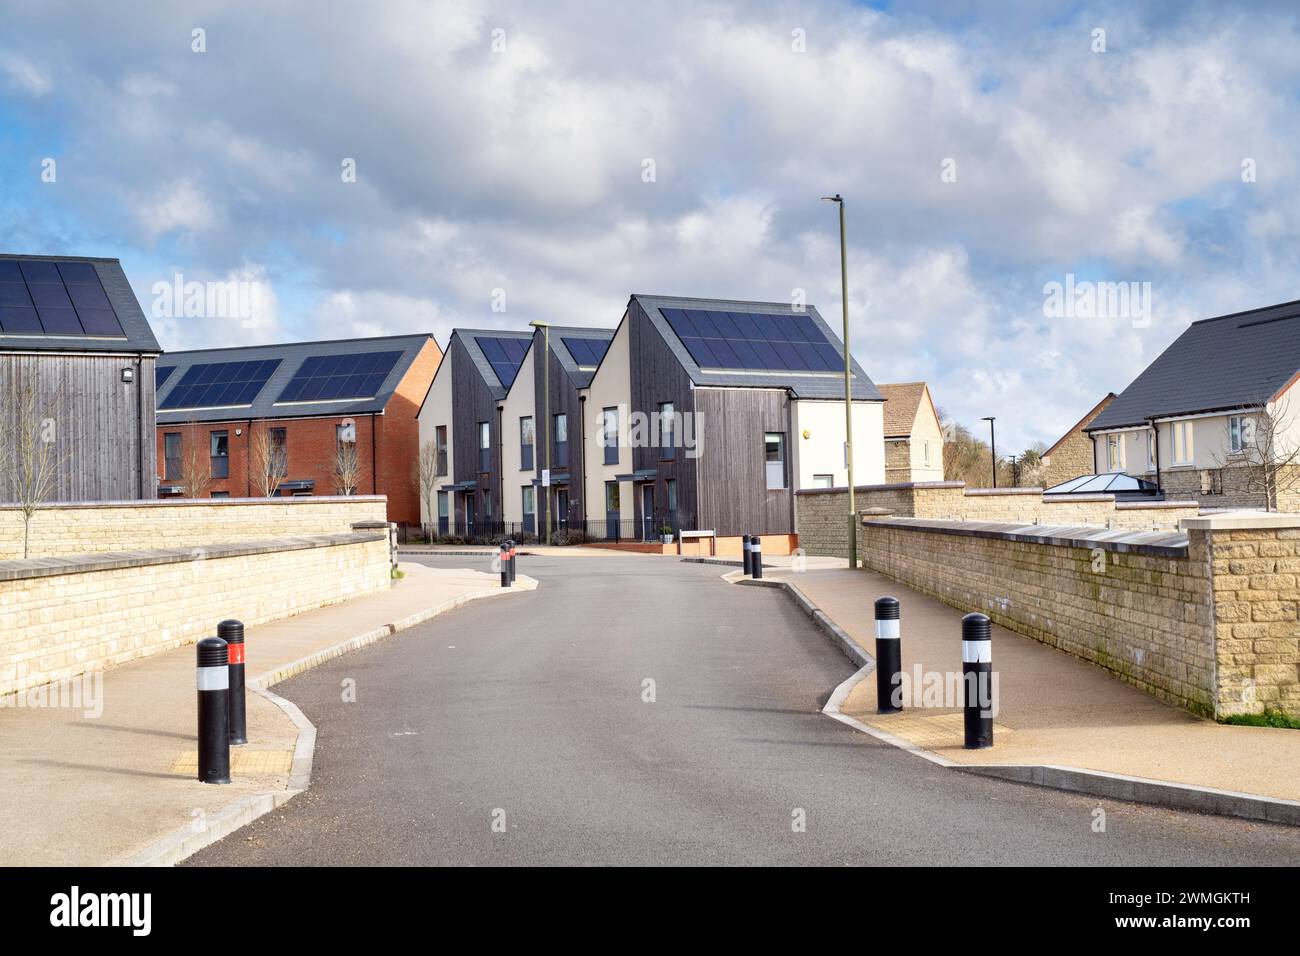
x=302 y=418
x=913 y=437
x=1071 y=456
x=1216 y=417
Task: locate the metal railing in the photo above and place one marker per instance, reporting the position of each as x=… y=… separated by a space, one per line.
x=564 y=532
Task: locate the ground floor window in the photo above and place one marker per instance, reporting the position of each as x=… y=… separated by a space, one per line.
x=774 y=454
x=823 y=481
x=442 y=512
x=530 y=509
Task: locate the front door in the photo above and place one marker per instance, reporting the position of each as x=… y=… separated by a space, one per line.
x=469 y=515
x=561 y=508
x=611 y=510
x=647 y=512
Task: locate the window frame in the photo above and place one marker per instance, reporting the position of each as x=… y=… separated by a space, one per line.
x=171 y=473
x=279 y=438
x=781 y=445
x=484 y=434
x=609 y=415
x=224 y=435
x=527 y=458
x=1183 y=442
x=557 y=420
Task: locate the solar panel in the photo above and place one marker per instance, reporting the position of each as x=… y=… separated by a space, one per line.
x=218 y=384
x=54 y=298
x=792 y=342
x=504 y=355
x=160 y=375
x=331 y=378
x=586 y=352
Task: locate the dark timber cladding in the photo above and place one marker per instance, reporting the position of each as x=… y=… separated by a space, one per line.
x=733 y=497
x=473 y=402
x=73 y=336
x=658 y=377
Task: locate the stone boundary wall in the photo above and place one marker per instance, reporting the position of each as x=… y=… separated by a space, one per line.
x=1208 y=619
x=71 y=615
x=88 y=527
x=819 y=533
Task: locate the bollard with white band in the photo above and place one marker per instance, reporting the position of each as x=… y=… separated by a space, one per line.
x=747 y=555
x=756 y=558
x=232 y=632
x=977 y=680
x=889 y=655
x=214 y=710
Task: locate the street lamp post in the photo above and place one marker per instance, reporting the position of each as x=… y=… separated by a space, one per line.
x=848 y=388
x=993 y=448
x=546 y=389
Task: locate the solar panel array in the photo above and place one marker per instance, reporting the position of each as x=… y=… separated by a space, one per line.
x=218 y=384
x=328 y=378
x=586 y=352
x=791 y=342
x=504 y=355
x=54 y=298
x=160 y=375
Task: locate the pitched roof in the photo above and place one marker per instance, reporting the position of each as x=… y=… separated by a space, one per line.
x=580 y=369
x=1092 y=413
x=803 y=384
x=25 y=323
x=1233 y=361
x=901 y=403
x=470 y=338
x=186 y=369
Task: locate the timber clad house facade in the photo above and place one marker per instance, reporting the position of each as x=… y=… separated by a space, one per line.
x=297 y=419
x=1216 y=417
x=77 y=352
x=692 y=414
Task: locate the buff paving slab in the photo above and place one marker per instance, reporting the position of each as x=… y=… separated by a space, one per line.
x=1058 y=711
x=79 y=790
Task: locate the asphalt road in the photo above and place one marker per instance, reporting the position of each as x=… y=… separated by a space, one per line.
x=527 y=711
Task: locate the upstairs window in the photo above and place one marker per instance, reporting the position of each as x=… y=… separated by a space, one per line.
x=484 y=446
x=220 y=452
x=561 y=441
x=1183 y=451
x=527 y=439
x=440 y=444
x=1115 y=452
x=609 y=435
x=172 y=456
x=774 y=456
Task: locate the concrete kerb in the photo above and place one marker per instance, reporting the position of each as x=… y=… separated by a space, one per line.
x=1174 y=796
x=185 y=841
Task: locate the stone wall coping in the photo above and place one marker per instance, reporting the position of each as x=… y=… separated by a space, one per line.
x=1241 y=520
x=1154 y=505
x=297 y=501
x=972 y=492
x=1073 y=499
x=1161 y=544
x=24 y=569
x=896 y=486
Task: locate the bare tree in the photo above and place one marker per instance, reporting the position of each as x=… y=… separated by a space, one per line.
x=1269 y=453
x=196 y=463
x=270 y=461
x=30 y=456
x=426 y=478
x=347 y=468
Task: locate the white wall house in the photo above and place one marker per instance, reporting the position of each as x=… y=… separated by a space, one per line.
x=819 y=447
x=610 y=395
x=435 y=419
x=518 y=427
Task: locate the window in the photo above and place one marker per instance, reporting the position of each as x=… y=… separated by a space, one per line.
x=609 y=435
x=925 y=452
x=823 y=481
x=487 y=506
x=774 y=454
x=1151 y=449
x=440 y=444
x=172 y=456
x=561 y=441
x=670 y=486
x=1115 y=452
x=484 y=446
x=346 y=433
x=667 y=437
x=220 y=447
x=1183 y=443
x=527 y=439
x=442 y=512
x=530 y=509
x=220 y=494
x=279 y=452
x=1239 y=433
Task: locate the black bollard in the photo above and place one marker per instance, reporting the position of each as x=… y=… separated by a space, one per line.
x=505 y=566
x=744 y=544
x=510 y=547
x=889 y=655
x=214 y=710
x=756 y=558
x=977 y=680
x=232 y=632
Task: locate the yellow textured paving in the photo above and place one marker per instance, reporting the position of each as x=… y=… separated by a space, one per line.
x=242 y=760
x=928 y=730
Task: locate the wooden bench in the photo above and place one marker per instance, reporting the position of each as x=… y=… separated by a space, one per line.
x=711 y=535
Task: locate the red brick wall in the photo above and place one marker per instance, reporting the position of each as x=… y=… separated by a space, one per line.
x=389 y=470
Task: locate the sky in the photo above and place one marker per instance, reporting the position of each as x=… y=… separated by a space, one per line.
x=520 y=161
